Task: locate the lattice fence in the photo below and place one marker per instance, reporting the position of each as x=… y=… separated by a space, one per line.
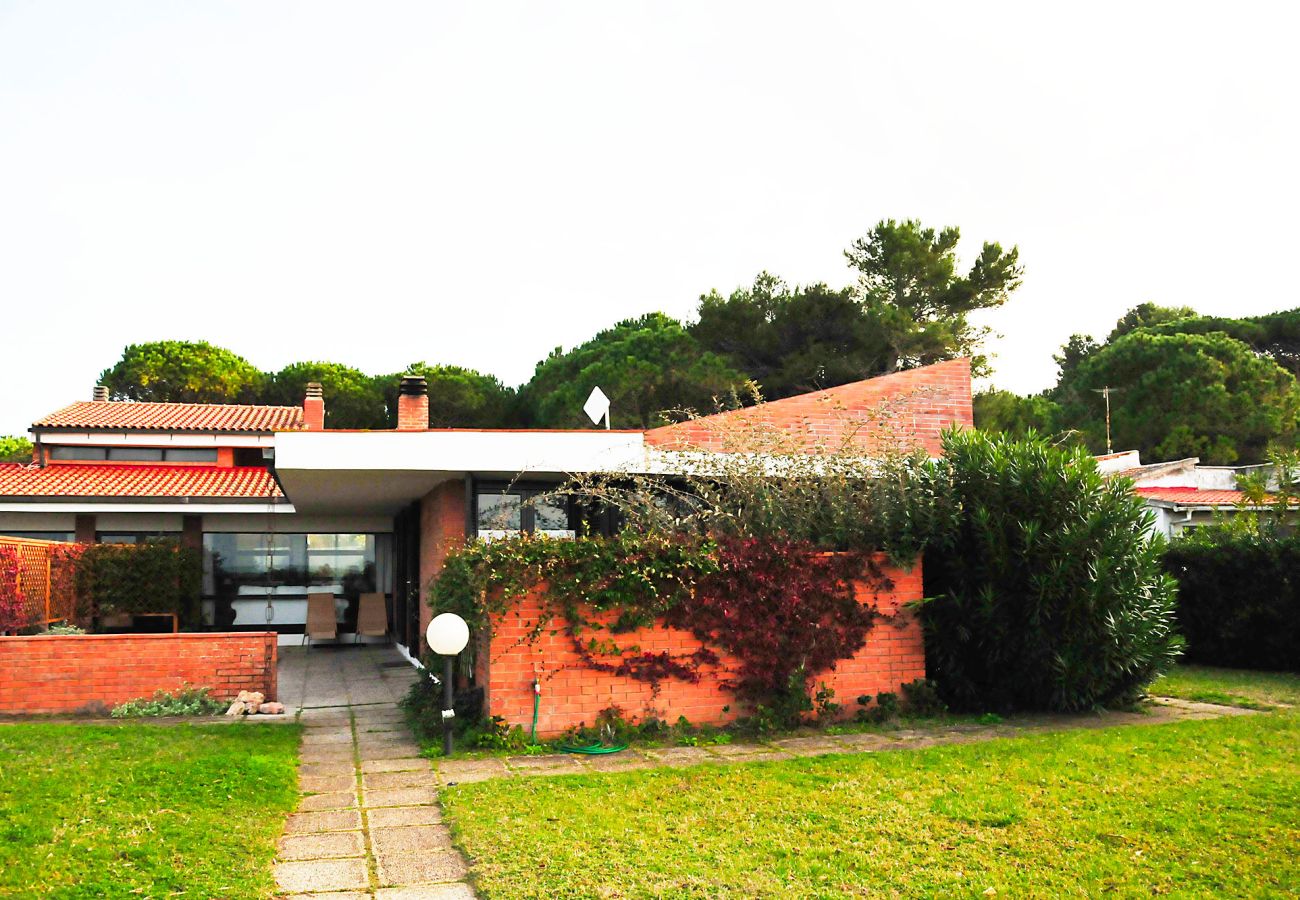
x=34 y=588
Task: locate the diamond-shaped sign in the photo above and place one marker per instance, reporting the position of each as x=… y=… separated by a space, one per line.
x=597 y=407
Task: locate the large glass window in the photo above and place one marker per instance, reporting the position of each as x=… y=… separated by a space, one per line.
x=261 y=580
x=511 y=509
x=95 y=453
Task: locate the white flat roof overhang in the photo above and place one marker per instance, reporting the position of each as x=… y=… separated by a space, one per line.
x=382 y=471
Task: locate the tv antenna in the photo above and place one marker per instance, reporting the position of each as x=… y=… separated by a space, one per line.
x=597 y=407
x=1106 y=392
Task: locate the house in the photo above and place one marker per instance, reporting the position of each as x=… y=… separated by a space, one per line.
x=281 y=505
x=1182 y=493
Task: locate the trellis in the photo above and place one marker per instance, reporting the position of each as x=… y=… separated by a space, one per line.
x=34 y=581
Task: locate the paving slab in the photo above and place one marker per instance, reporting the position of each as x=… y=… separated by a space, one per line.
x=378 y=781
x=419 y=867
x=453 y=891
x=322 y=846
x=334 y=735
x=327 y=753
x=390 y=751
x=321 y=802
x=332 y=895
x=322 y=875
x=387 y=816
x=333 y=820
x=400 y=764
x=409 y=838
x=399 y=797
x=333 y=767
x=324 y=784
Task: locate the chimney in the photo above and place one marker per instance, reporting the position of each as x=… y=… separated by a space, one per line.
x=313 y=408
x=100 y=394
x=413 y=404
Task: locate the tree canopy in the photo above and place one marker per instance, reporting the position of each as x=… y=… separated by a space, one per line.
x=183 y=372
x=15 y=449
x=917 y=300
x=791 y=341
x=1004 y=412
x=353 y=399
x=458 y=397
x=1181 y=395
x=647 y=366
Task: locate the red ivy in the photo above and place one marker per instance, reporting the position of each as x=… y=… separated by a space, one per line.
x=780 y=608
x=13 y=606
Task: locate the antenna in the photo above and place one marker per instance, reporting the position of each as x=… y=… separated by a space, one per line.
x=597 y=407
x=1106 y=392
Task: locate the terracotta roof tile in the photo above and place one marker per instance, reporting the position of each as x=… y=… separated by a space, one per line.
x=1190 y=496
x=130 y=416
x=162 y=482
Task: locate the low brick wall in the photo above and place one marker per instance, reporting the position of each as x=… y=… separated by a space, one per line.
x=92 y=673
x=573 y=693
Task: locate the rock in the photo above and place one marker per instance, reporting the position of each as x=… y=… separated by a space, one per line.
x=237 y=708
x=251 y=699
x=271 y=709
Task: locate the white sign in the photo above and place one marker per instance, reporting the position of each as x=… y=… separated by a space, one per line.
x=597 y=407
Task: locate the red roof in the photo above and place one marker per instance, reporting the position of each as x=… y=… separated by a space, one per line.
x=1190 y=496
x=131 y=416
x=135 y=482
x=904 y=410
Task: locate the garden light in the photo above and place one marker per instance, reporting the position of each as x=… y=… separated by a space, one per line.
x=447 y=635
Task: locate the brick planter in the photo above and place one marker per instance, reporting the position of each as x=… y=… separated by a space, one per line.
x=573 y=693
x=92 y=673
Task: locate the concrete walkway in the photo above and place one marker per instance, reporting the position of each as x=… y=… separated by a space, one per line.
x=368 y=825
x=1161 y=711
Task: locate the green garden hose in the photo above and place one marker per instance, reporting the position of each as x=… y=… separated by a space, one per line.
x=537 y=704
x=596 y=749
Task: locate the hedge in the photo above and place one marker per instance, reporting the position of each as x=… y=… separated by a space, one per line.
x=1239 y=599
x=156 y=577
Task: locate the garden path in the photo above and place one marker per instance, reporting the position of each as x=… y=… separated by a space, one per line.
x=368 y=824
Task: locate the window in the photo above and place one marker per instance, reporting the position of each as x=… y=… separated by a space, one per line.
x=135 y=537
x=135 y=454
x=261 y=580
x=65 y=536
x=78 y=453
x=190 y=454
x=501 y=511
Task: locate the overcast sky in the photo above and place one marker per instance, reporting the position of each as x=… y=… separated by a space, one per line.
x=475 y=183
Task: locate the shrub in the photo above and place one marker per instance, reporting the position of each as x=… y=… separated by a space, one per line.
x=188 y=701
x=13 y=607
x=1046 y=591
x=156 y=577
x=1238 y=597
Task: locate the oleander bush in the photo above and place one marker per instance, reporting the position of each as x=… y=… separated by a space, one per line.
x=1046 y=590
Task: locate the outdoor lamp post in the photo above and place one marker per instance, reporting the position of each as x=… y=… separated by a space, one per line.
x=447 y=635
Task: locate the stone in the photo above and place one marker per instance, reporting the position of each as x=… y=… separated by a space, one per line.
x=410 y=838
x=271 y=709
x=455 y=890
x=419 y=867
x=312 y=822
x=403 y=815
x=327 y=845
x=322 y=875
x=251 y=699
x=237 y=708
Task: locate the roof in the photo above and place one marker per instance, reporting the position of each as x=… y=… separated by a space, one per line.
x=1190 y=496
x=904 y=410
x=136 y=482
x=1151 y=470
x=114 y=415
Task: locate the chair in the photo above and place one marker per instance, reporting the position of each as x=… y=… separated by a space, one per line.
x=322 y=621
x=372 y=617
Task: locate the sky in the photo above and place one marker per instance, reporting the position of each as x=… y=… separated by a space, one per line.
x=479 y=183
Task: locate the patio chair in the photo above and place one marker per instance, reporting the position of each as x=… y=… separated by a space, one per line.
x=372 y=617
x=322 y=622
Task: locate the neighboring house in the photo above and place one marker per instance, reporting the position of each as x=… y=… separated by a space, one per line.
x=1182 y=493
x=280 y=505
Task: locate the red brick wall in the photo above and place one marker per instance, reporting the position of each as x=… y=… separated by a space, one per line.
x=442 y=528
x=903 y=411
x=573 y=694
x=94 y=672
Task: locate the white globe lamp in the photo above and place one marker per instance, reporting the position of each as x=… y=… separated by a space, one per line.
x=446 y=636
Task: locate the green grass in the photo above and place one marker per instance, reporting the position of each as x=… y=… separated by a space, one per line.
x=1198 y=808
x=1234 y=687
x=143 y=810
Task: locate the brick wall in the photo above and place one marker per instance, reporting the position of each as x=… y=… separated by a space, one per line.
x=903 y=411
x=94 y=672
x=573 y=694
x=442 y=528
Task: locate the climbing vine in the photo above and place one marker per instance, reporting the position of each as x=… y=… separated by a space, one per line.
x=783 y=610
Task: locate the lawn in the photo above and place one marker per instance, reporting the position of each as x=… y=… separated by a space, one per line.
x=1196 y=808
x=143 y=810
x=1235 y=687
